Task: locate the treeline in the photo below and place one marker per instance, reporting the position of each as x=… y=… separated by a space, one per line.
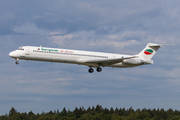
x=96 y=113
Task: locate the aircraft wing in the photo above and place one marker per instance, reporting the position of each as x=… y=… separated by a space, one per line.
x=106 y=62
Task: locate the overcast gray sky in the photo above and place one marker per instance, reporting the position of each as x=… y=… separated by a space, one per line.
x=116 y=26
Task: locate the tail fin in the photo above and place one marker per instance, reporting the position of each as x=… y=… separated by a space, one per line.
x=149 y=51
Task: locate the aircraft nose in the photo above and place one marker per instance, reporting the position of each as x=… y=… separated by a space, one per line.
x=12 y=54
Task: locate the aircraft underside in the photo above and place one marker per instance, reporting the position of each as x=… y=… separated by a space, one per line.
x=91 y=66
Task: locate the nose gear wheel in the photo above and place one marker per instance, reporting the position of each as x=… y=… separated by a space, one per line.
x=17 y=62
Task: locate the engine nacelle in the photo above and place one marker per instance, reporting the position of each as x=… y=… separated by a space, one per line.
x=133 y=61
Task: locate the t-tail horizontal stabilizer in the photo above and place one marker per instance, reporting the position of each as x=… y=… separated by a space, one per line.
x=150 y=50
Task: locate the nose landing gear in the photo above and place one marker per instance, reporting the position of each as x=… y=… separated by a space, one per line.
x=17 y=61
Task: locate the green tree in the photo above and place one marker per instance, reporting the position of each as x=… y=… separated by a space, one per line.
x=83 y=110
x=16 y=116
x=170 y=112
x=163 y=114
x=100 y=116
x=88 y=110
x=176 y=112
x=122 y=112
x=111 y=110
x=57 y=111
x=107 y=117
x=4 y=118
x=44 y=118
x=154 y=112
x=92 y=108
x=51 y=113
x=80 y=111
x=86 y=117
x=175 y=117
x=116 y=118
x=12 y=112
x=30 y=114
x=76 y=113
x=98 y=108
x=116 y=111
x=106 y=111
x=129 y=111
x=143 y=115
x=24 y=116
x=150 y=113
x=64 y=112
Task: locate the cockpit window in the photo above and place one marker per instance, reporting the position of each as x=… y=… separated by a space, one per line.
x=20 y=48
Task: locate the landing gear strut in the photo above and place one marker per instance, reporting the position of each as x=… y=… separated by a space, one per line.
x=17 y=62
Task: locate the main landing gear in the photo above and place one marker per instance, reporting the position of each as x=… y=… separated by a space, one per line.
x=99 y=69
x=91 y=70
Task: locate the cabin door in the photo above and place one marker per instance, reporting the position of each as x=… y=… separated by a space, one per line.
x=27 y=51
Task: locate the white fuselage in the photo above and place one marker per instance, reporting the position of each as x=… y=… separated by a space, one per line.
x=66 y=56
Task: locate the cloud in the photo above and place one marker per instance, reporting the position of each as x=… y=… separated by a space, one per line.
x=87 y=39
x=6 y=26
x=29 y=28
x=104 y=26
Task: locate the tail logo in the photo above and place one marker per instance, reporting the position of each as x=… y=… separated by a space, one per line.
x=148 y=51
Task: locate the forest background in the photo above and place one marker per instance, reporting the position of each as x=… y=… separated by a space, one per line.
x=96 y=113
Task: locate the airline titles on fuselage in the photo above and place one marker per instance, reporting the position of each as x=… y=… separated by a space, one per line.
x=66 y=52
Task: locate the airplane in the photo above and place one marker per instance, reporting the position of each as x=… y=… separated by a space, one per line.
x=88 y=58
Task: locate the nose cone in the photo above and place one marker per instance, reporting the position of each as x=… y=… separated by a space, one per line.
x=13 y=54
